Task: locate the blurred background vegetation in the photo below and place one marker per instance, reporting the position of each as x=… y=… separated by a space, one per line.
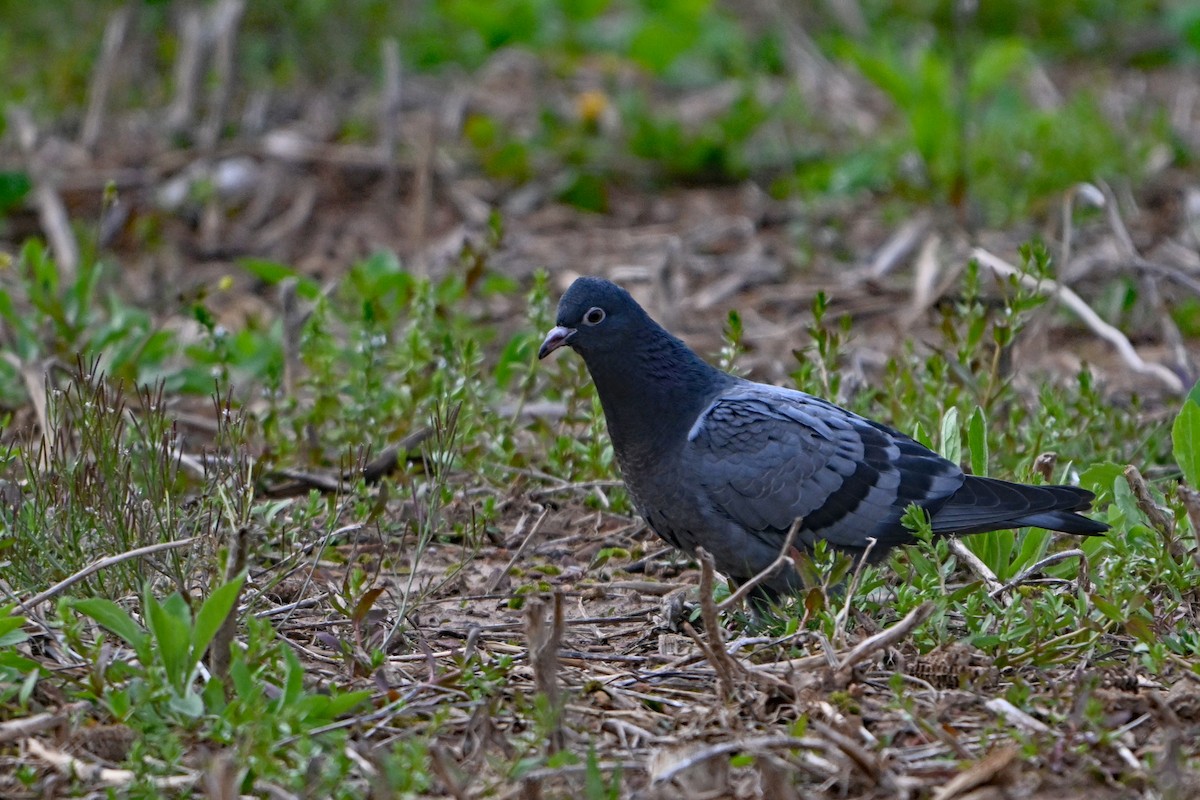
x=997 y=105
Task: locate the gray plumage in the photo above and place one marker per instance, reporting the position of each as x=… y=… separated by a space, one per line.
x=717 y=461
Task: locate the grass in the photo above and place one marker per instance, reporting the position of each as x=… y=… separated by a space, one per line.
x=484 y=615
x=112 y=481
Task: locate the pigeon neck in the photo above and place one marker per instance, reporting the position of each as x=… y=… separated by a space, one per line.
x=653 y=393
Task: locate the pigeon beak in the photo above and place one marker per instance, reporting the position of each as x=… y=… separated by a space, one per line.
x=556 y=338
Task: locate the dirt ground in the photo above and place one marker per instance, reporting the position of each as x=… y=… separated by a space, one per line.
x=634 y=679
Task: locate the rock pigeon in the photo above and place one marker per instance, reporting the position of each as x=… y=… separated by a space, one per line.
x=716 y=461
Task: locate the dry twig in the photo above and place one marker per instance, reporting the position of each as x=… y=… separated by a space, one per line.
x=1068 y=298
x=1034 y=569
x=52 y=213
x=545 y=639
x=103 y=563
x=1191 y=503
x=14 y=729
x=959 y=548
x=537 y=526
x=114 y=37
x=886 y=638
x=784 y=557
x=86 y=770
x=1159 y=518
x=725 y=665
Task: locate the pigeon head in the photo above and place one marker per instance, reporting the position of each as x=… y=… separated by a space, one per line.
x=635 y=364
x=596 y=318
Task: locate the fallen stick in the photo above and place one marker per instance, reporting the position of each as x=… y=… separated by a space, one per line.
x=1090 y=318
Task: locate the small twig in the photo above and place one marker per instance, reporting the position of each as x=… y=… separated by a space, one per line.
x=926 y=270
x=1191 y=503
x=387 y=462
x=537 y=526
x=13 y=729
x=104 y=563
x=52 y=213
x=982 y=773
x=1016 y=717
x=220 y=649
x=725 y=665
x=784 y=557
x=86 y=770
x=441 y=768
x=899 y=246
x=755 y=744
x=887 y=637
x=35 y=377
x=868 y=762
x=549 y=491
x=1158 y=516
x=287 y=225
x=224 y=19
x=293 y=323
x=973 y=562
x=544 y=643
x=188 y=66
x=568 y=770
x=389 y=113
x=416 y=219
x=114 y=37
x=1089 y=194
x=844 y=615
x=1090 y=318
x=1029 y=572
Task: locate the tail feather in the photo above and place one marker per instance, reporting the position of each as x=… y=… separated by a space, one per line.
x=987 y=504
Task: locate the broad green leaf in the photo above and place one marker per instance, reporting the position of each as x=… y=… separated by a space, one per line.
x=187 y=704
x=921 y=436
x=247 y=688
x=10 y=627
x=111 y=616
x=171 y=629
x=951 y=436
x=1101 y=476
x=1185 y=437
x=214 y=611
x=340 y=704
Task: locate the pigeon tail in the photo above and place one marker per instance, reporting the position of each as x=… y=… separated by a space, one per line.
x=987 y=504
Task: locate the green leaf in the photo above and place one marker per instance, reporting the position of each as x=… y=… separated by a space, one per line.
x=1034 y=544
x=187 y=704
x=977 y=442
x=951 y=436
x=1100 y=477
x=170 y=625
x=273 y=272
x=212 y=614
x=1185 y=437
x=13 y=188
x=921 y=436
x=340 y=704
x=109 y=615
x=995 y=64
x=10 y=627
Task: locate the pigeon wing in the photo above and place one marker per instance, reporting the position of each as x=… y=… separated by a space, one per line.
x=766 y=456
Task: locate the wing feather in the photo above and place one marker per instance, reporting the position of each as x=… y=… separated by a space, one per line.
x=766 y=456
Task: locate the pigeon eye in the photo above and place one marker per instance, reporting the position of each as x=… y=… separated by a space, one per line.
x=594 y=316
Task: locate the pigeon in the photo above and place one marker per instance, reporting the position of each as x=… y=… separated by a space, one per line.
x=716 y=461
